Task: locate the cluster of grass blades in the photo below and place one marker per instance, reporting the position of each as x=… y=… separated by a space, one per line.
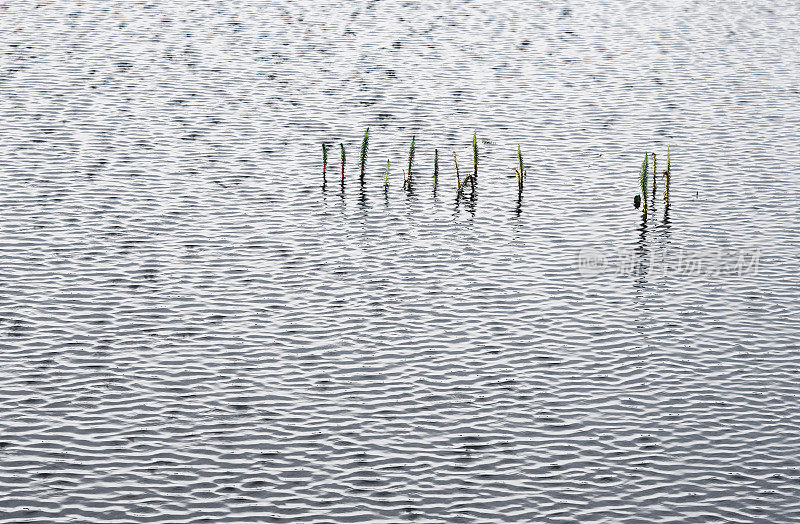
x=408 y=176
x=640 y=200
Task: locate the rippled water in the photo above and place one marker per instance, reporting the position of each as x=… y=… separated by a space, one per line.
x=194 y=329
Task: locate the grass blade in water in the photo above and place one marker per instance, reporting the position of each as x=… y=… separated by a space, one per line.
x=324 y=159
x=435 y=166
x=643 y=183
x=475 y=152
x=343 y=161
x=410 y=161
x=653 y=198
x=666 y=181
x=364 y=148
x=458 y=176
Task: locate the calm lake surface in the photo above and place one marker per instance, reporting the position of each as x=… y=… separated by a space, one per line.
x=193 y=328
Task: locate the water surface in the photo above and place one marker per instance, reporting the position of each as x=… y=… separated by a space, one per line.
x=193 y=328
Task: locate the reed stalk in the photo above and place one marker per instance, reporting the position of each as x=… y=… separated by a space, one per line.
x=324 y=159
x=475 y=153
x=344 y=158
x=435 y=167
x=364 y=149
x=653 y=198
x=386 y=176
x=643 y=183
x=520 y=172
x=666 y=181
x=463 y=184
x=667 y=159
x=458 y=176
x=410 y=161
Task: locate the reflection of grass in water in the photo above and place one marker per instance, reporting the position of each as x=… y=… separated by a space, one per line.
x=364 y=148
x=519 y=171
x=324 y=158
x=344 y=158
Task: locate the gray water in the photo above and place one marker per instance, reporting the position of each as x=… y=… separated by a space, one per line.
x=194 y=328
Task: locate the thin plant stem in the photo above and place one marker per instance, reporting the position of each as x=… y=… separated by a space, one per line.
x=435 y=167
x=666 y=181
x=475 y=153
x=458 y=177
x=364 y=149
x=667 y=159
x=410 y=161
x=643 y=183
x=654 y=178
x=344 y=159
x=520 y=172
x=324 y=159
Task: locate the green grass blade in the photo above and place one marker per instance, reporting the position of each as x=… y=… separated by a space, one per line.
x=643 y=182
x=344 y=158
x=324 y=158
x=458 y=176
x=435 y=166
x=410 y=161
x=364 y=148
x=475 y=152
x=666 y=181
